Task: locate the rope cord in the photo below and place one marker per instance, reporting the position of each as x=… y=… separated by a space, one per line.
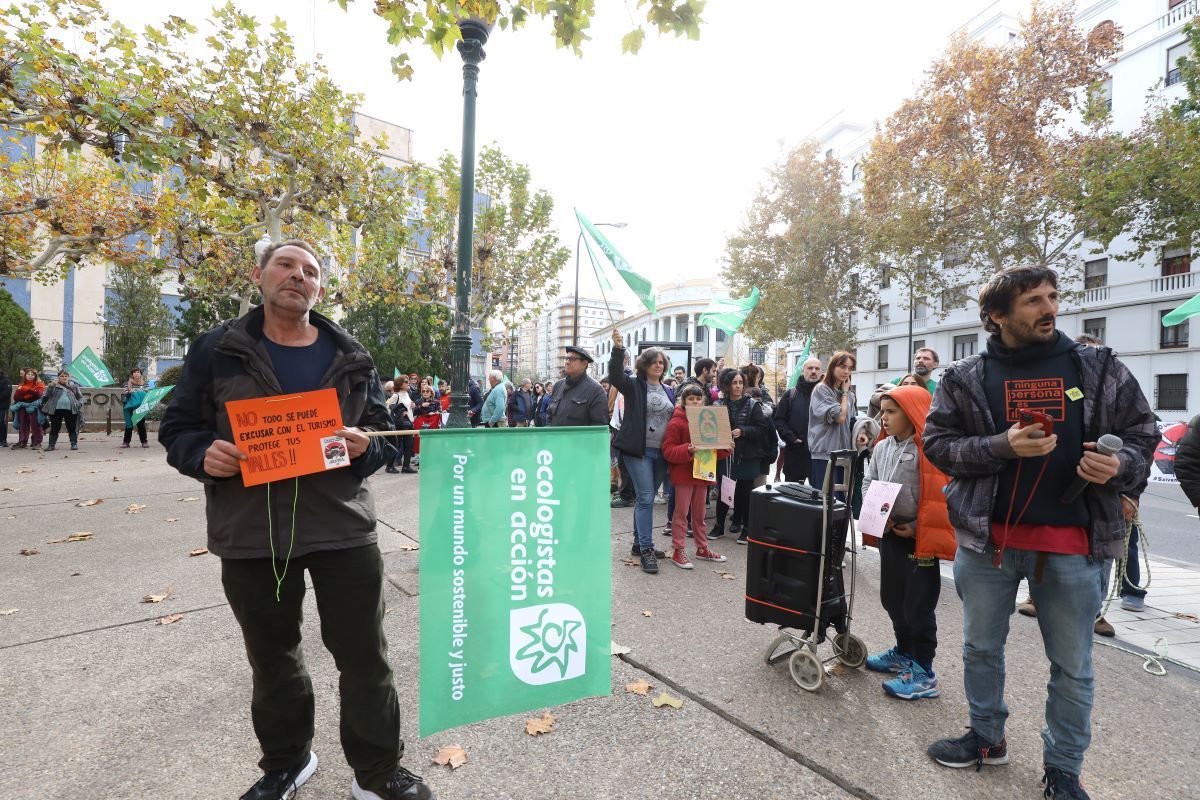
x=271 y=538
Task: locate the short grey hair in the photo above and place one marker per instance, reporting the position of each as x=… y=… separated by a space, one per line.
x=496 y=374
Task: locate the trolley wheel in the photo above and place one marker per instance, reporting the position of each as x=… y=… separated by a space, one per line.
x=806 y=670
x=775 y=653
x=850 y=650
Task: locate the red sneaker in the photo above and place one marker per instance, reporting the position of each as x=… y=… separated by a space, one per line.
x=709 y=555
x=680 y=559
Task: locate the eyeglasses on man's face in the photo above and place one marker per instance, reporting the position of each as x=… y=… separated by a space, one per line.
x=573 y=358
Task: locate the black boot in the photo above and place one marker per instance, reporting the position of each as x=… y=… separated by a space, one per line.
x=719 y=529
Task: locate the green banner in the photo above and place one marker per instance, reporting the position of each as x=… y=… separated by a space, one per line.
x=799 y=370
x=729 y=315
x=395 y=373
x=1186 y=311
x=637 y=282
x=89 y=370
x=516 y=572
x=597 y=268
x=151 y=399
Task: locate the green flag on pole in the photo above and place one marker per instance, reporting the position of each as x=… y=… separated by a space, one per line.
x=395 y=373
x=89 y=370
x=516 y=573
x=639 y=283
x=729 y=314
x=605 y=284
x=799 y=370
x=152 y=398
x=1189 y=309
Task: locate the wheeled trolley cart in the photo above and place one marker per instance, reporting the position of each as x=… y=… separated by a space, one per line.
x=794 y=577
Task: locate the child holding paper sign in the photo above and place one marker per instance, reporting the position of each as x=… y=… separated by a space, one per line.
x=690 y=491
x=917 y=533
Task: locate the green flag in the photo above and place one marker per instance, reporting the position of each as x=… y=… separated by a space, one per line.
x=89 y=370
x=1189 y=309
x=395 y=373
x=639 y=283
x=151 y=399
x=728 y=314
x=799 y=370
x=516 y=572
x=605 y=284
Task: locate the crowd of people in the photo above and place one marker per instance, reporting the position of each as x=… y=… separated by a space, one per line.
x=40 y=410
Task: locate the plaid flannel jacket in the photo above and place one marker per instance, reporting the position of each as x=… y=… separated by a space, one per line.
x=962 y=441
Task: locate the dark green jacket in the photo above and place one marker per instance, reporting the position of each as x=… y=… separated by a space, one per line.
x=333 y=510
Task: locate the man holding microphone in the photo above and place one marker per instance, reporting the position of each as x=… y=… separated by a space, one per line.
x=1040 y=436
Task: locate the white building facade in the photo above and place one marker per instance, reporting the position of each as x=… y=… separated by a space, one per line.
x=555 y=329
x=1121 y=302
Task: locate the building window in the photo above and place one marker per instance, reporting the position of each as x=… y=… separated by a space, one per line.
x=1102 y=96
x=701 y=334
x=1095 y=327
x=720 y=336
x=1176 y=261
x=885 y=314
x=885 y=276
x=644 y=334
x=856 y=172
x=881 y=357
x=965 y=345
x=1172 y=336
x=1095 y=273
x=955 y=297
x=1170 y=392
x=918 y=344
x=921 y=308
x=1174 y=55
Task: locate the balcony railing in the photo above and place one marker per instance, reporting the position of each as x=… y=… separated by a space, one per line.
x=1180 y=13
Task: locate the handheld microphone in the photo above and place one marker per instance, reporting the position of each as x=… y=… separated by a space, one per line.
x=1108 y=444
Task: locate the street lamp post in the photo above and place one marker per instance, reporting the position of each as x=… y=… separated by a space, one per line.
x=474 y=35
x=578 y=241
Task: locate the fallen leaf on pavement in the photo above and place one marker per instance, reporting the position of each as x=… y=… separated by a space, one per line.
x=1188 y=617
x=836 y=670
x=169 y=619
x=647 y=613
x=638 y=687
x=408 y=547
x=116 y=477
x=452 y=756
x=29 y=551
x=72 y=499
x=93 y=471
x=665 y=699
x=8 y=612
x=9 y=489
x=82 y=536
x=725 y=576
x=199 y=551
x=171 y=519
x=24 y=471
x=188 y=499
x=631 y=562
x=76 y=574
x=617 y=650
x=158 y=598
x=87 y=503
x=135 y=508
x=543 y=724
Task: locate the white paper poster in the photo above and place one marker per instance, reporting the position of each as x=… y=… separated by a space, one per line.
x=877 y=506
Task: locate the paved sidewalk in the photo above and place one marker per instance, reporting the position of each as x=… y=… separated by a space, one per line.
x=105 y=703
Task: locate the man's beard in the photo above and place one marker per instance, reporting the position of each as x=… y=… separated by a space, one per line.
x=922 y=370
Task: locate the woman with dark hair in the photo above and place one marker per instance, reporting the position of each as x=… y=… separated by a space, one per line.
x=831 y=416
x=131 y=398
x=751 y=429
x=63 y=403
x=26 y=410
x=648 y=409
x=756 y=387
x=539 y=394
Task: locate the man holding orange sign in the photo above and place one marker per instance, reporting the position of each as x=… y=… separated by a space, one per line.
x=284 y=394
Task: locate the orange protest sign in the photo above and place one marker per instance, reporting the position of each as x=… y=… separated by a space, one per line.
x=288 y=435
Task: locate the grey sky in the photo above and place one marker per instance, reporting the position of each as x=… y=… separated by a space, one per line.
x=673 y=141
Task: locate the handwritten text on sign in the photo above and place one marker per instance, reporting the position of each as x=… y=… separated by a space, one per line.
x=288 y=435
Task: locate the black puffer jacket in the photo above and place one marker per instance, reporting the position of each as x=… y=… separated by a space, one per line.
x=757 y=431
x=1187 y=462
x=333 y=510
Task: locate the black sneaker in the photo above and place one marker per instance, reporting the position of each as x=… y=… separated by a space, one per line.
x=637 y=551
x=620 y=502
x=403 y=786
x=1062 y=784
x=717 y=531
x=391 y=468
x=649 y=561
x=971 y=750
x=742 y=538
x=408 y=470
x=736 y=527
x=280 y=784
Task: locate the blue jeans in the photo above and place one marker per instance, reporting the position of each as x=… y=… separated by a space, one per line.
x=1068 y=600
x=1133 y=569
x=647 y=474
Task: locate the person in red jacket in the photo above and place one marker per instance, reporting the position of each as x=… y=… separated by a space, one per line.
x=690 y=491
x=25 y=404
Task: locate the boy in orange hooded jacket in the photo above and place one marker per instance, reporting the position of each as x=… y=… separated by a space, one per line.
x=916 y=535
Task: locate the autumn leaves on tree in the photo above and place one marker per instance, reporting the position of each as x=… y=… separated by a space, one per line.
x=982 y=168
